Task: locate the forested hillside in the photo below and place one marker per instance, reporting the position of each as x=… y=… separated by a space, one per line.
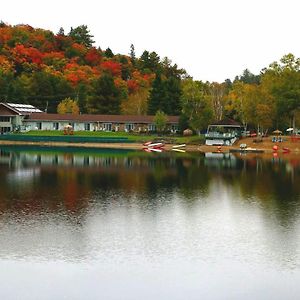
x=45 y=69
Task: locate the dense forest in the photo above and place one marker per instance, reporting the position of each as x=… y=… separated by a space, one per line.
x=67 y=73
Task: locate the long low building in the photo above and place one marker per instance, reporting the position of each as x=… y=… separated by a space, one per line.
x=21 y=117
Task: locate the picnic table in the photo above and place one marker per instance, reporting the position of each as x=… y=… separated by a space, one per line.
x=277 y=139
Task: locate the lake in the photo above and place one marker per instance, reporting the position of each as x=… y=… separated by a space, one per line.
x=108 y=224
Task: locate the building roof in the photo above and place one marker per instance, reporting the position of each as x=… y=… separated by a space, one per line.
x=96 y=118
x=21 y=109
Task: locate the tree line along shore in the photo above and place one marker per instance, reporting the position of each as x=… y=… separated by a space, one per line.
x=66 y=72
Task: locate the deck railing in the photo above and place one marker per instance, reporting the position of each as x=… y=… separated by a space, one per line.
x=218 y=135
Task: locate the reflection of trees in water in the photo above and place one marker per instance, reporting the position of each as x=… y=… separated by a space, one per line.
x=68 y=181
x=270 y=182
x=72 y=177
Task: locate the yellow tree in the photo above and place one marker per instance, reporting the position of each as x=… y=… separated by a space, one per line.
x=136 y=104
x=253 y=104
x=195 y=104
x=216 y=94
x=282 y=79
x=68 y=106
x=235 y=102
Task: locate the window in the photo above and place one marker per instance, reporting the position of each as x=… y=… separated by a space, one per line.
x=4 y=130
x=174 y=128
x=55 y=126
x=87 y=126
x=129 y=127
x=4 y=119
x=151 y=127
x=39 y=125
x=107 y=126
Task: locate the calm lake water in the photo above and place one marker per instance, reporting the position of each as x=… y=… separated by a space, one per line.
x=107 y=224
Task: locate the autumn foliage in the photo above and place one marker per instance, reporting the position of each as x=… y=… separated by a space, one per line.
x=43 y=68
x=68 y=106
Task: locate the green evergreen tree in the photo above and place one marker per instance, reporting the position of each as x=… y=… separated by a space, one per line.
x=248 y=77
x=173 y=96
x=81 y=35
x=105 y=97
x=154 y=62
x=157 y=96
x=2 y=24
x=81 y=97
x=6 y=82
x=144 y=63
x=132 y=55
x=61 y=31
x=126 y=72
x=108 y=53
x=149 y=62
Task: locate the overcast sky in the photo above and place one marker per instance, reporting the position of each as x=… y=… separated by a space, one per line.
x=211 y=39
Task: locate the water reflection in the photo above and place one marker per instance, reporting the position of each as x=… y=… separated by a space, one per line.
x=71 y=179
x=136 y=212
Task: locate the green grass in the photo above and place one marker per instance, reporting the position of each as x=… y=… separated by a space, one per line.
x=135 y=137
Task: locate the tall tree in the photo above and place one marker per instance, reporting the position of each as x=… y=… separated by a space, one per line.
x=7 y=82
x=105 y=98
x=248 y=77
x=81 y=35
x=173 y=96
x=61 y=31
x=282 y=80
x=136 y=104
x=81 y=97
x=217 y=93
x=108 y=53
x=132 y=55
x=170 y=70
x=149 y=62
x=195 y=104
x=157 y=96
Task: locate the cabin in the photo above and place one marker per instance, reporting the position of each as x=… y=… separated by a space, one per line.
x=12 y=116
x=224 y=132
x=24 y=117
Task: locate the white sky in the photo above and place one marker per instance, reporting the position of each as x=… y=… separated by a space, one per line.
x=211 y=39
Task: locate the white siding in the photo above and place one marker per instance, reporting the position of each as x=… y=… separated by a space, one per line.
x=49 y=125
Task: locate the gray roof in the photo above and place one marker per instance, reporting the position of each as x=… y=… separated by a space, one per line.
x=21 y=109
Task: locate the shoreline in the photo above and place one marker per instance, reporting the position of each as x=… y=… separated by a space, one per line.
x=266 y=146
x=128 y=146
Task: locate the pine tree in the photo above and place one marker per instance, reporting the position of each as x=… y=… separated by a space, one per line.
x=61 y=31
x=105 y=98
x=132 y=55
x=81 y=35
x=173 y=96
x=108 y=53
x=157 y=96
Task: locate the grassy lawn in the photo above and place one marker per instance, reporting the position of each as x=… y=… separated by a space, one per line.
x=130 y=136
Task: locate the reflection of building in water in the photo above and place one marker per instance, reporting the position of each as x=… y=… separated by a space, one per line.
x=220 y=160
x=5 y=157
x=69 y=159
x=24 y=175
